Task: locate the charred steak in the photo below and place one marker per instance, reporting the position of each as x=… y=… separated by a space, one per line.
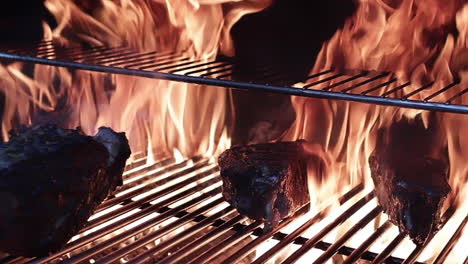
x=265 y=181
x=410 y=178
x=51 y=180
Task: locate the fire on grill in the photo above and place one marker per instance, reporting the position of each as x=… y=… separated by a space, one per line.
x=384 y=181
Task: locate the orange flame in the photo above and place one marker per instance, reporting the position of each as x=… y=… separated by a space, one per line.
x=419 y=41
x=187 y=117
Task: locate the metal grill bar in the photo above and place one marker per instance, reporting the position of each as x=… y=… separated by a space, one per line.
x=311 y=242
x=453 y=240
x=366 y=244
x=189 y=200
x=333 y=249
x=418 y=250
x=389 y=249
x=180 y=67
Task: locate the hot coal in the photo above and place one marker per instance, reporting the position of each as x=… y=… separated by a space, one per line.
x=51 y=181
x=265 y=181
x=411 y=177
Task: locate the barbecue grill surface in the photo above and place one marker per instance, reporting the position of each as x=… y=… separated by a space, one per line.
x=188 y=193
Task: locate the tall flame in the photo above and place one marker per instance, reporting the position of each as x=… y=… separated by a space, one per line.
x=418 y=41
x=187 y=117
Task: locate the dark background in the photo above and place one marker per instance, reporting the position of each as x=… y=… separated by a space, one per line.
x=287 y=37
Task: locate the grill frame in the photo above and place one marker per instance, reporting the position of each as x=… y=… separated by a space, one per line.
x=176 y=66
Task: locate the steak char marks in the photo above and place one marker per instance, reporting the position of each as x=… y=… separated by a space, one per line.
x=265 y=181
x=411 y=177
x=51 y=181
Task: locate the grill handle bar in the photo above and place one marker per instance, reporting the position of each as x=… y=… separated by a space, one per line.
x=379 y=100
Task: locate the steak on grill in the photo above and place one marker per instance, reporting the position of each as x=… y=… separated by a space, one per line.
x=51 y=180
x=265 y=181
x=410 y=178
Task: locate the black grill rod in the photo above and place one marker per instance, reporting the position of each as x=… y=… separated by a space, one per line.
x=85 y=55
x=315 y=75
x=246 y=250
x=226 y=243
x=177 y=64
x=217 y=71
x=379 y=86
x=196 y=67
x=192 y=246
x=153 y=55
x=255 y=243
x=222 y=76
x=104 y=60
x=95 y=59
x=122 y=223
x=461 y=93
x=424 y=87
x=153 y=179
x=79 y=51
x=357 y=253
x=71 y=50
x=307 y=86
x=156 y=175
x=333 y=249
x=139 y=167
x=142 y=258
x=38 y=51
x=396 y=89
x=140 y=228
x=34 y=50
x=389 y=249
x=451 y=243
x=433 y=106
x=350 y=79
x=375 y=78
x=134 y=204
x=35 y=44
x=150 y=184
x=419 y=248
x=170 y=60
x=163 y=56
x=396 y=242
x=224 y=64
x=339 y=220
x=446 y=88
x=132 y=56
x=296 y=233
x=122 y=252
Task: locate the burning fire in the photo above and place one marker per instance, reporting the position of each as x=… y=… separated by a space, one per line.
x=160 y=115
x=419 y=41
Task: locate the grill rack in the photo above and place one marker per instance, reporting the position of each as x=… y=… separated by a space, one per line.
x=140 y=196
x=379 y=88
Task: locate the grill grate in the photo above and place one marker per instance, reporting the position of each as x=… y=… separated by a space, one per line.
x=366 y=87
x=183 y=199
